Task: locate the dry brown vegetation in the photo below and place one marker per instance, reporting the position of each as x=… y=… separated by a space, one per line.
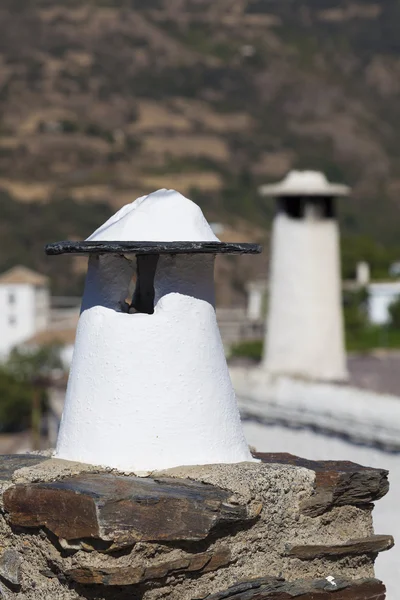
x=103 y=101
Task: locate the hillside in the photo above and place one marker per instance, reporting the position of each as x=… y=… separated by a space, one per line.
x=101 y=101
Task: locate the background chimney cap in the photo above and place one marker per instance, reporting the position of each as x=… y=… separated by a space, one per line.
x=305 y=183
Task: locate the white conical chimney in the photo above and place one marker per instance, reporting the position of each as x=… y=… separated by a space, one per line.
x=304 y=334
x=149 y=387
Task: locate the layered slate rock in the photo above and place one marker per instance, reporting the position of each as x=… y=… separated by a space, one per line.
x=123 y=510
x=9 y=463
x=369 y=545
x=212 y=532
x=337 y=483
x=10 y=567
x=203 y=562
x=141 y=248
x=275 y=589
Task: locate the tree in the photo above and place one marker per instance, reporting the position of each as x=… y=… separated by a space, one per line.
x=27 y=365
x=354 y=310
x=15 y=402
x=394 y=311
x=23 y=382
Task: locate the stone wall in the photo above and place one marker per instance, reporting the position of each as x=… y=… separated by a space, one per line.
x=281 y=528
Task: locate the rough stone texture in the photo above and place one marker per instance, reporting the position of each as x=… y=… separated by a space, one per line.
x=369 y=545
x=67 y=247
x=122 y=510
x=369 y=589
x=203 y=562
x=10 y=566
x=337 y=483
x=11 y=463
x=52 y=469
x=234 y=552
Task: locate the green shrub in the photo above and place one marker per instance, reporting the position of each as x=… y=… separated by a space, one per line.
x=19 y=384
x=250 y=349
x=68 y=126
x=394 y=311
x=372 y=338
x=15 y=402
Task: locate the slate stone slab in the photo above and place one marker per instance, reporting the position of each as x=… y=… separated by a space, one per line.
x=369 y=545
x=203 y=562
x=9 y=463
x=337 y=483
x=10 y=566
x=123 y=510
x=269 y=589
x=67 y=247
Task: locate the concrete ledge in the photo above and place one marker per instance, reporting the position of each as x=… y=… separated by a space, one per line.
x=362 y=416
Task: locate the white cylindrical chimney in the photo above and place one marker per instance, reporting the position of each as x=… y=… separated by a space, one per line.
x=363 y=274
x=304 y=333
x=256 y=291
x=149 y=386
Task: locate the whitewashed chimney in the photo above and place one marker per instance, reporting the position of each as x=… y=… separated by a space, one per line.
x=363 y=274
x=304 y=333
x=149 y=386
x=256 y=293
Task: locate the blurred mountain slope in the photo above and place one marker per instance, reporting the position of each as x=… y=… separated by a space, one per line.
x=101 y=101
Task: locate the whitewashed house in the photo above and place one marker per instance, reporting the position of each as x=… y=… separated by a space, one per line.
x=380 y=297
x=25 y=306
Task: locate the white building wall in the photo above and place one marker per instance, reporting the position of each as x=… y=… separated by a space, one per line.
x=256 y=294
x=17 y=315
x=304 y=335
x=25 y=310
x=66 y=354
x=42 y=308
x=380 y=297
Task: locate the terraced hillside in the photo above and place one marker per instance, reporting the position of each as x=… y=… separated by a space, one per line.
x=101 y=101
